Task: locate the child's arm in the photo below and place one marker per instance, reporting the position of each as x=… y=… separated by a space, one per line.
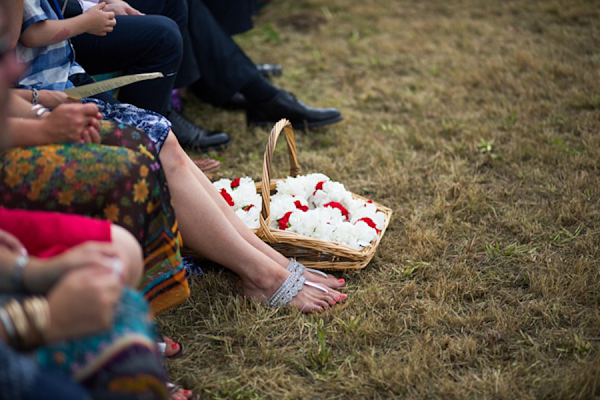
x=15 y=13
x=44 y=33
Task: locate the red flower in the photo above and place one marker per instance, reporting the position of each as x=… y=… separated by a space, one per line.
x=369 y=222
x=284 y=222
x=318 y=186
x=339 y=206
x=235 y=183
x=248 y=207
x=370 y=202
x=299 y=206
x=227 y=197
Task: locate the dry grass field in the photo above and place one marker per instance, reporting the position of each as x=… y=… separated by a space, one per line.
x=478 y=123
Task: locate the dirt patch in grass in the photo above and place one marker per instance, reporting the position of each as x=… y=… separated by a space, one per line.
x=477 y=122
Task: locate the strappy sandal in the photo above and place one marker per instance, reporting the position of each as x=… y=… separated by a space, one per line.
x=162 y=347
x=293 y=284
x=187 y=394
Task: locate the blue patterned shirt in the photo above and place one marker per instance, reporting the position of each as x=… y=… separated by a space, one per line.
x=50 y=66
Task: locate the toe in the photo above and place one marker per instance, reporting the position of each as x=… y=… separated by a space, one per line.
x=330 y=282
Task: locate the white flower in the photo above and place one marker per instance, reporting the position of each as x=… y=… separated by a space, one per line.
x=249 y=216
x=295 y=195
x=280 y=205
x=223 y=184
x=331 y=191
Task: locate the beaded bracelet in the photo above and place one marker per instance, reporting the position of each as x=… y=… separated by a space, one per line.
x=34 y=96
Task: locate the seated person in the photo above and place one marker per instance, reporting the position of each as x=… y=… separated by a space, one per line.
x=224 y=68
x=44 y=43
x=86 y=268
x=207 y=224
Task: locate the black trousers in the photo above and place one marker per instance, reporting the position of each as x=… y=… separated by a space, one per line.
x=224 y=67
x=234 y=16
x=140 y=44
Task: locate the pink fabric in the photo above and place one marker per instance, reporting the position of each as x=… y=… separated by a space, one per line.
x=46 y=234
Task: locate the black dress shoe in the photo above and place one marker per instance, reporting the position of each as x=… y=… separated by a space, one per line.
x=286 y=105
x=196 y=138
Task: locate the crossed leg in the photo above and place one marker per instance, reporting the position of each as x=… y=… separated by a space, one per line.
x=212 y=229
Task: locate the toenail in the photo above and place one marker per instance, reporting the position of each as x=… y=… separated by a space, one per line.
x=174 y=346
x=337 y=298
x=341 y=280
x=344 y=296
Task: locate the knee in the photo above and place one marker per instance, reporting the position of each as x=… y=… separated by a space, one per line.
x=169 y=35
x=130 y=253
x=172 y=157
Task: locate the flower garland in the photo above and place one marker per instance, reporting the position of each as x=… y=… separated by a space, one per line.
x=310 y=205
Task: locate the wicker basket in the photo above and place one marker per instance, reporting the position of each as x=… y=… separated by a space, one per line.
x=314 y=253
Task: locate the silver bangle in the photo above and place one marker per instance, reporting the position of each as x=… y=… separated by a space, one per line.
x=17 y=274
x=34 y=96
x=39 y=110
x=8 y=327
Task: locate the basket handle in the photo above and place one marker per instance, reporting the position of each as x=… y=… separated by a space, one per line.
x=264 y=231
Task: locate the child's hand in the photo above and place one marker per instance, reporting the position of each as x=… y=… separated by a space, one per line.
x=100 y=22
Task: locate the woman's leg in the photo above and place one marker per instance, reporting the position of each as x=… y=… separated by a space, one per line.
x=330 y=281
x=208 y=230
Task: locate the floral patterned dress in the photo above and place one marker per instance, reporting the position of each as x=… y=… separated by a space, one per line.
x=120 y=180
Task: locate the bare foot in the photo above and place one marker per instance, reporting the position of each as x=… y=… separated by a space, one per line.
x=172 y=348
x=182 y=394
x=309 y=299
x=329 y=282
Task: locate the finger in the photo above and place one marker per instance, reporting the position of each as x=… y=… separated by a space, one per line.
x=110 y=15
x=85 y=137
x=94 y=135
x=133 y=11
x=112 y=263
x=100 y=6
x=107 y=249
x=89 y=109
x=94 y=123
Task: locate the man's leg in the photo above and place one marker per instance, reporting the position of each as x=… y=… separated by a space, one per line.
x=138 y=44
x=177 y=10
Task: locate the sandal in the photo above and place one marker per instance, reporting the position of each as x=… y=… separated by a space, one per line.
x=178 y=393
x=293 y=284
x=174 y=345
